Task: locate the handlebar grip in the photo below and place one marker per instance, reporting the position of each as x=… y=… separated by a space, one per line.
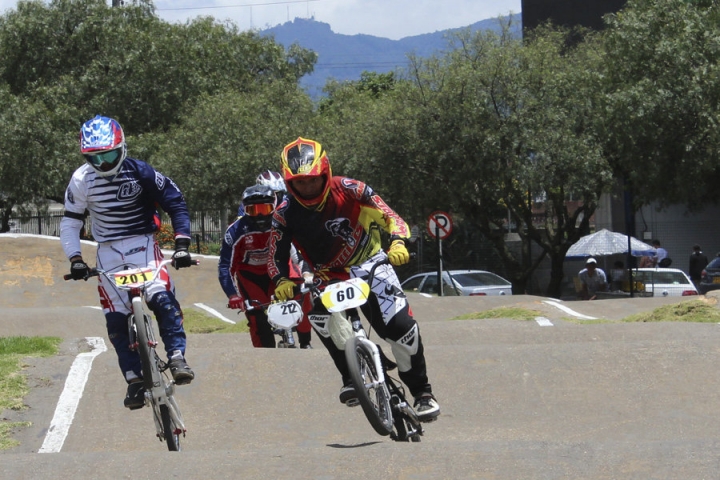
x=93 y=273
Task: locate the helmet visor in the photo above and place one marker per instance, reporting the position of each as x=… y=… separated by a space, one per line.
x=255 y=209
x=105 y=160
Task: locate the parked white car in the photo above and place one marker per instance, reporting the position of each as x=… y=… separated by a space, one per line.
x=665 y=282
x=465 y=282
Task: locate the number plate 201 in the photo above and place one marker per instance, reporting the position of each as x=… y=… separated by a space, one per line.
x=343 y=295
x=133 y=277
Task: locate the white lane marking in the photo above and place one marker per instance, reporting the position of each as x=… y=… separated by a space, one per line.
x=569 y=311
x=543 y=322
x=70 y=396
x=212 y=311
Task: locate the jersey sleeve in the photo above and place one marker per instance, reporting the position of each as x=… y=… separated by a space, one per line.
x=73 y=218
x=168 y=195
x=225 y=275
x=381 y=213
x=279 y=245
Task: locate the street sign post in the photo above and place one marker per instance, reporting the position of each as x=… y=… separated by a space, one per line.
x=439 y=226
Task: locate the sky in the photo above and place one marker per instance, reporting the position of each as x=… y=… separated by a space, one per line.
x=393 y=19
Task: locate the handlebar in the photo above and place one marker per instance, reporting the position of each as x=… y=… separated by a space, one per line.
x=303 y=288
x=94 y=272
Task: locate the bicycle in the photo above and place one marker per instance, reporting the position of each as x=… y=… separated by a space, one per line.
x=382 y=397
x=158 y=383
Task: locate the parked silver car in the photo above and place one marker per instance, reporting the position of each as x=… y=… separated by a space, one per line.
x=465 y=282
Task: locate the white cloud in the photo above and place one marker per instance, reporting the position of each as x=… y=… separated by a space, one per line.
x=382 y=18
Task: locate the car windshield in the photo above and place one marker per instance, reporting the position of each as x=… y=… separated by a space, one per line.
x=659 y=277
x=479 y=279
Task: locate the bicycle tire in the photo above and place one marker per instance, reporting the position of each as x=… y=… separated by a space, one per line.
x=375 y=402
x=172 y=437
x=144 y=349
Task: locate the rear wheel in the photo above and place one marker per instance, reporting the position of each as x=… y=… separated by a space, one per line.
x=374 y=398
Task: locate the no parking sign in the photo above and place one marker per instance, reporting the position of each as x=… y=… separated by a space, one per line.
x=439 y=225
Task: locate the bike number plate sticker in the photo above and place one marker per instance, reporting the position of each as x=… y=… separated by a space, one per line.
x=285 y=314
x=133 y=277
x=343 y=295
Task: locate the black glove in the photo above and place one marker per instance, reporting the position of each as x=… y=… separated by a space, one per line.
x=181 y=258
x=79 y=270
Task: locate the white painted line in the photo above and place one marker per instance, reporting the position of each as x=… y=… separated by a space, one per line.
x=569 y=311
x=70 y=396
x=543 y=322
x=212 y=311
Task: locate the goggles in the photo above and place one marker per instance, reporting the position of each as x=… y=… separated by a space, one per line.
x=104 y=158
x=256 y=209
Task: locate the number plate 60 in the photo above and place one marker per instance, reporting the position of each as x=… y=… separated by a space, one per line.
x=343 y=295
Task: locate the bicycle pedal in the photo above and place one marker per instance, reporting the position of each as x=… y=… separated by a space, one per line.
x=353 y=402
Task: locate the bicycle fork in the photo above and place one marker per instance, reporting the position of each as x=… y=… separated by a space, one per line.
x=359 y=331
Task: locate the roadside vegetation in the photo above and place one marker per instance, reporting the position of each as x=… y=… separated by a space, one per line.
x=515 y=313
x=699 y=311
x=13 y=384
x=196 y=321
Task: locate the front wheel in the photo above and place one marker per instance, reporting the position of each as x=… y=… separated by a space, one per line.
x=374 y=398
x=171 y=432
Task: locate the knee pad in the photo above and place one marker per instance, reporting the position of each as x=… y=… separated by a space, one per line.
x=165 y=307
x=404 y=348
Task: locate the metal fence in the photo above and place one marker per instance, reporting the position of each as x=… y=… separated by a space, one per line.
x=466 y=248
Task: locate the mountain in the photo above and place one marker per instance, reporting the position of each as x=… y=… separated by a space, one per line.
x=345 y=57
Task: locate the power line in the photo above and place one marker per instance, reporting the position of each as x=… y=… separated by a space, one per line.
x=284 y=2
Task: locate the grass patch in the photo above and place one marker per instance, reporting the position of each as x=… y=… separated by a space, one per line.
x=13 y=384
x=515 y=313
x=700 y=311
x=196 y=321
x=7 y=428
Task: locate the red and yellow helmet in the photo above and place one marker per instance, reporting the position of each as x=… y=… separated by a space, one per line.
x=306 y=158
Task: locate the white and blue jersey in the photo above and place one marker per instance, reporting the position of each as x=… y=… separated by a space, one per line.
x=122 y=206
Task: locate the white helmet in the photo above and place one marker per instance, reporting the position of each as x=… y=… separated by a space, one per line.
x=273 y=180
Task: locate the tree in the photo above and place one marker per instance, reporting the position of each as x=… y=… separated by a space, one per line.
x=33 y=150
x=78 y=58
x=225 y=140
x=660 y=121
x=128 y=64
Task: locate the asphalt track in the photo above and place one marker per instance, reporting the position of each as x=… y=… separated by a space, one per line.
x=557 y=397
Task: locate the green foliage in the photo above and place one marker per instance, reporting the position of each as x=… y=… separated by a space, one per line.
x=33 y=150
x=227 y=139
x=661 y=117
x=515 y=313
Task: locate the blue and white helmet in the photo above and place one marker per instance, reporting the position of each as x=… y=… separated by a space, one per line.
x=102 y=143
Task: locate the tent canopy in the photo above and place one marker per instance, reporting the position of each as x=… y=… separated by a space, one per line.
x=605 y=242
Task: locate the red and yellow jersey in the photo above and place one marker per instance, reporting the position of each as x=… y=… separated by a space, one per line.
x=344 y=231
